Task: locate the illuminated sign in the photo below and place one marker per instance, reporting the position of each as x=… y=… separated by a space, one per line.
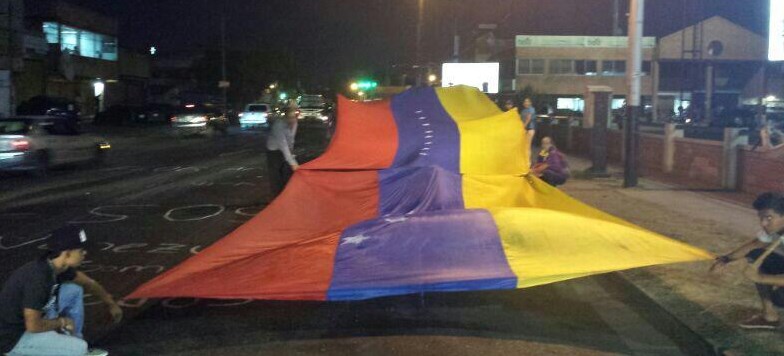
x=580 y=41
x=776 y=48
x=483 y=76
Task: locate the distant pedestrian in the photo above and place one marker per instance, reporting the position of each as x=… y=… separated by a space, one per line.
x=41 y=304
x=281 y=162
x=765 y=257
x=551 y=165
x=527 y=116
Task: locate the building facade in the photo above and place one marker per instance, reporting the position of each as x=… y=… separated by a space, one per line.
x=82 y=60
x=713 y=56
x=562 y=67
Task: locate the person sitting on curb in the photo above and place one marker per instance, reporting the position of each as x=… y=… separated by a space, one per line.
x=765 y=255
x=42 y=306
x=551 y=165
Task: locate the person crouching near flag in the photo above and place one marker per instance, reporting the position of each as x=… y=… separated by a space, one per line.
x=765 y=256
x=551 y=165
x=42 y=306
x=281 y=162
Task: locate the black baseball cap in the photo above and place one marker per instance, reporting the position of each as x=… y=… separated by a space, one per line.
x=67 y=238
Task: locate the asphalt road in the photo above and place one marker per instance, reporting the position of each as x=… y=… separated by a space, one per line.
x=158 y=200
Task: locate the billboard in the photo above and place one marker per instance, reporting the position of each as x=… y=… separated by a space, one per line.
x=483 y=76
x=776 y=48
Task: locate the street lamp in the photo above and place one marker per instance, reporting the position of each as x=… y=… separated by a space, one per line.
x=272 y=86
x=432 y=78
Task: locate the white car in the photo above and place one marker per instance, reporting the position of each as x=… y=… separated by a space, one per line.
x=35 y=143
x=256 y=115
x=312 y=107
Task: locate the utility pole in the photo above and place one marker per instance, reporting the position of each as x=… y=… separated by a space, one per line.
x=634 y=76
x=419 y=29
x=616 y=30
x=224 y=81
x=456 y=34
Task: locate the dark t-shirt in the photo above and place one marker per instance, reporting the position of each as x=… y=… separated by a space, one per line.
x=32 y=286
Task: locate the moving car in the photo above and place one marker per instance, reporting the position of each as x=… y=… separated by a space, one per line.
x=313 y=107
x=255 y=115
x=36 y=143
x=195 y=119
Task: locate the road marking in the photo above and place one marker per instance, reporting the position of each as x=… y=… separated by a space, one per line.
x=243 y=212
x=219 y=209
x=4 y=247
x=178 y=169
x=111 y=217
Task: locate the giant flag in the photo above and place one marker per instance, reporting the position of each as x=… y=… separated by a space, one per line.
x=425 y=192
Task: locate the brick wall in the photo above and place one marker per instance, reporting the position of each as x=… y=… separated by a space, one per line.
x=698 y=162
x=651 y=154
x=615 y=146
x=761 y=171
x=581 y=142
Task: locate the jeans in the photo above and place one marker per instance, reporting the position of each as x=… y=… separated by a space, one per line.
x=774 y=264
x=279 y=172
x=70 y=304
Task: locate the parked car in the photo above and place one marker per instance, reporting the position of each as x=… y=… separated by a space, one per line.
x=36 y=143
x=313 y=107
x=256 y=115
x=195 y=119
x=120 y=115
x=50 y=106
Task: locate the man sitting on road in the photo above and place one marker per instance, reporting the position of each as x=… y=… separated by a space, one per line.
x=41 y=304
x=281 y=162
x=765 y=255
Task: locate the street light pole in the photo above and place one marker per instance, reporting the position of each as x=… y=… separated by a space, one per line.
x=634 y=76
x=223 y=66
x=419 y=29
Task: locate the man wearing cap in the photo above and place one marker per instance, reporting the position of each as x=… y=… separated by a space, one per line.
x=41 y=304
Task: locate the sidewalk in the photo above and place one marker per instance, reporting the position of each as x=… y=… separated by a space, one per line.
x=711 y=304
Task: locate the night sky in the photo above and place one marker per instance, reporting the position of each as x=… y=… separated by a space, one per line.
x=338 y=36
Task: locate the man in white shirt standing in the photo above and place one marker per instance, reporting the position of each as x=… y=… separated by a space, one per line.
x=281 y=162
x=766 y=261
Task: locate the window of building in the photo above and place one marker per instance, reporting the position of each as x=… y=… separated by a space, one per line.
x=530 y=66
x=586 y=67
x=575 y=104
x=81 y=42
x=646 y=67
x=617 y=103
x=52 y=32
x=562 y=66
x=613 y=67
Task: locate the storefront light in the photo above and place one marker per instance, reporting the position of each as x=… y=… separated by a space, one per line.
x=98 y=88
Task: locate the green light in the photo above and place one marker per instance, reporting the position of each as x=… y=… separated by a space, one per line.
x=283 y=96
x=367 y=85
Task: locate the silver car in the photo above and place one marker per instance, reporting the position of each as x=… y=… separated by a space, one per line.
x=36 y=143
x=312 y=107
x=199 y=120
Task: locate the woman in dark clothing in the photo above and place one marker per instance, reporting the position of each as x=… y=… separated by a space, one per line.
x=551 y=165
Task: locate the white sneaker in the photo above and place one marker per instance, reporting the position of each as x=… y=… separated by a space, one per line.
x=97 y=352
